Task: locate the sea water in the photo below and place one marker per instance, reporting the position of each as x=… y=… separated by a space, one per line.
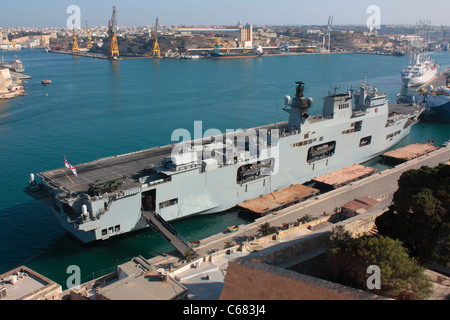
x=96 y=108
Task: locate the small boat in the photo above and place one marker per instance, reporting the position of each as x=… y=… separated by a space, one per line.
x=233 y=228
x=45 y=82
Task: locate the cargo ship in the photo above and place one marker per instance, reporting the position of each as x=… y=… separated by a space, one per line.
x=114 y=195
x=257 y=52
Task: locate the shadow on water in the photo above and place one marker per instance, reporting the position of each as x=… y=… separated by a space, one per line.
x=102 y=257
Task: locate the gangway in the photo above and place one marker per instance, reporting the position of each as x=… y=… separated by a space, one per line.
x=168 y=232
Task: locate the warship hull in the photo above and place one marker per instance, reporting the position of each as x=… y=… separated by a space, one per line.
x=212 y=174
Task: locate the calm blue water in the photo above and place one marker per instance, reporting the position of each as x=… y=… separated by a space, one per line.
x=96 y=108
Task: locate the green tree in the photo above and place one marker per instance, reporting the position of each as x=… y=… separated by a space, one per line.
x=188 y=256
x=401 y=276
x=228 y=244
x=265 y=229
x=419 y=216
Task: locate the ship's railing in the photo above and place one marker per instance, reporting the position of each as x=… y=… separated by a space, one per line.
x=318 y=118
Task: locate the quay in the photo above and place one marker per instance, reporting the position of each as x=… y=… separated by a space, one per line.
x=217 y=272
x=84 y=54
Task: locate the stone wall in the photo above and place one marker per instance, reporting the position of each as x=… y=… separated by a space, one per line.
x=258 y=277
x=246 y=280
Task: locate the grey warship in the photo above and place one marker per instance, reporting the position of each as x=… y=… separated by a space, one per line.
x=113 y=195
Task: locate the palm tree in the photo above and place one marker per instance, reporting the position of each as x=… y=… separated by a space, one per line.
x=228 y=244
x=265 y=229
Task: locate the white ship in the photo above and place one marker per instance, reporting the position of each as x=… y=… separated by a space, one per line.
x=420 y=70
x=114 y=195
x=17 y=65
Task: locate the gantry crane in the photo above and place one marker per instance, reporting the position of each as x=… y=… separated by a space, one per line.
x=326 y=36
x=75 y=47
x=89 y=39
x=156 y=53
x=218 y=43
x=113 y=44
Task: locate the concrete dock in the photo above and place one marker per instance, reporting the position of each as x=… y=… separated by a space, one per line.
x=408 y=152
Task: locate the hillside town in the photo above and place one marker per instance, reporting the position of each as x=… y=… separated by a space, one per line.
x=174 y=41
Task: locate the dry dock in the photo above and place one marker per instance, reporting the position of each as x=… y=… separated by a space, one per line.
x=344 y=176
x=408 y=152
x=279 y=199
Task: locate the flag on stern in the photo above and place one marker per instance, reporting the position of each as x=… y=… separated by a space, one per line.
x=68 y=165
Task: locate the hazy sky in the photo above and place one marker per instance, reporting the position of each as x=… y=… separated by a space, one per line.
x=52 y=13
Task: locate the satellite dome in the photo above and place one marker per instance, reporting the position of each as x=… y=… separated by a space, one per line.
x=287 y=99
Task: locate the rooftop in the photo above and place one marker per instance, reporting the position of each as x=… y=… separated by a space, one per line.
x=23 y=283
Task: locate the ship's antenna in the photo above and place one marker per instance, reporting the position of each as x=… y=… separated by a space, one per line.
x=277 y=114
x=365 y=77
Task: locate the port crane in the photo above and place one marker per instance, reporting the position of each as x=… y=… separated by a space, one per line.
x=218 y=43
x=326 y=36
x=75 y=47
x=156 y=53
x=89 y=39
x=113 y=44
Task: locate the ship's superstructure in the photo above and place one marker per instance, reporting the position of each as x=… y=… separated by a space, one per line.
x=112 y=196
x=420 y=70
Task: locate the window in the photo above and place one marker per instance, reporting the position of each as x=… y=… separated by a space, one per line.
x=321 y=151
x=365 y=141
x=117 y=228
x=168 y=203
x=358 y=125
x=104 y=232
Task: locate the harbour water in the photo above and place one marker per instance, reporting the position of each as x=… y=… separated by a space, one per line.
x=96 y=108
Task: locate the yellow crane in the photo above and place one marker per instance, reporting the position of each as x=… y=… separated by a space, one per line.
x=89 y=39
x=156 y=53
x=113 y=44
x=75 y=47
x=218 y=43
